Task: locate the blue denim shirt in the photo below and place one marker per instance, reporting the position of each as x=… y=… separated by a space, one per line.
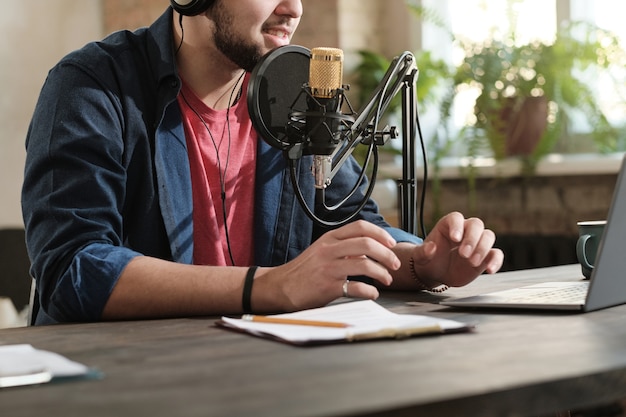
x=107 y=176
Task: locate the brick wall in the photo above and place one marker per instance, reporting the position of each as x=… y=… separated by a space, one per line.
x=542 y=205
x=534 y=219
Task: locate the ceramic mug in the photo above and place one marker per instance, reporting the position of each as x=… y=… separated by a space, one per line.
x=589 y=236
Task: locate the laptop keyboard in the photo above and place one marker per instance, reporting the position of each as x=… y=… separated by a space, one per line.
x=568 y=295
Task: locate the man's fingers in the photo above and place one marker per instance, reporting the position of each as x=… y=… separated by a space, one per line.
x=357 y=289
x=361 y=266
x=362 y=228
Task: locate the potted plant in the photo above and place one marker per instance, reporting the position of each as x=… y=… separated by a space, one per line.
x=528 y=93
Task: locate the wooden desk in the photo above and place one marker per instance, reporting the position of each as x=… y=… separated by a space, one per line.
x=514 y=364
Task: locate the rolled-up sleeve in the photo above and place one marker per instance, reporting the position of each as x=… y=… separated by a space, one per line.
x=73 y=193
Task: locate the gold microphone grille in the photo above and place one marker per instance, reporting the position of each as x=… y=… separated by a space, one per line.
x=325 y=71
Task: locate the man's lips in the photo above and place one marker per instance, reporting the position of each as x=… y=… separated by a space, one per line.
x=279 y=33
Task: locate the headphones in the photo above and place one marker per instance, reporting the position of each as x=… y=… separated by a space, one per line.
x=191 y=7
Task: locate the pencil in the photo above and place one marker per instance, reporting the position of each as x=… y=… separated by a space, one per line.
x=298 y=322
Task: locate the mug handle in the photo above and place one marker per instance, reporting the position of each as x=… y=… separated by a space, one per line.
x=580 y=251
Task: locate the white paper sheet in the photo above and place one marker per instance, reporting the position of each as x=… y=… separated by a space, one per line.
x=23 y=365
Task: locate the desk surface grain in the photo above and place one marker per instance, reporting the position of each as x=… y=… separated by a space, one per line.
x=513 y=364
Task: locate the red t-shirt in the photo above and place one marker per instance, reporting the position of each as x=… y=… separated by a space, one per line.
x=229 y=134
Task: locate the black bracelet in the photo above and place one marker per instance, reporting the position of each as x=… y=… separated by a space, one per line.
x=420 y=284
x=247 y=290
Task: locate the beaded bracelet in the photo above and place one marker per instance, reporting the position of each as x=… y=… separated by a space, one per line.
x=420 y=284
x=247 y=290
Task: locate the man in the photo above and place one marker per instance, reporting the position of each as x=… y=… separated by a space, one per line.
x=148 y=194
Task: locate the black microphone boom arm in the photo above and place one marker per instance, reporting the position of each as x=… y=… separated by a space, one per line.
x=401 y=75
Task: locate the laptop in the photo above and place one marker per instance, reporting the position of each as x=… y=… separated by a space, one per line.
x=605 y=288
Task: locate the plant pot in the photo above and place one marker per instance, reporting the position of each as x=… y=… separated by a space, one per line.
x=525 y=121
x=513 y=125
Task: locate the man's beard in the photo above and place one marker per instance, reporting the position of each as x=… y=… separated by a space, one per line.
x=244 y=54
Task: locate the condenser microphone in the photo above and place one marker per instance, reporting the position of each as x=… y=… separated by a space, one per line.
x=325 y=72
x=323 y=116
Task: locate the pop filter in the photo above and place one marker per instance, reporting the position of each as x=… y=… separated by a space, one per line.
x=274 y=91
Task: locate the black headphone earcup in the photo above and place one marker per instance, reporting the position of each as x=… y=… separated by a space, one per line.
x=192 y=7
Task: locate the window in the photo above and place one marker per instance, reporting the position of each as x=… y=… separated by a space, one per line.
x=528 y=20
x=479 y=19
x=610 y=15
